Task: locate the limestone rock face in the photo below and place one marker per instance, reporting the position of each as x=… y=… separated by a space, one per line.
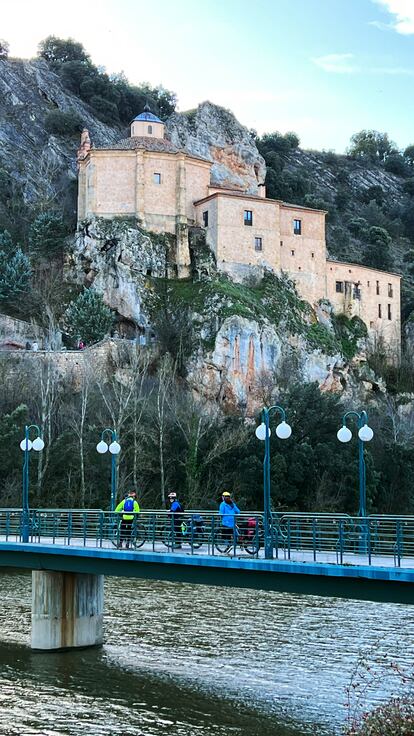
x=41 y=163
x=115 y=258
x=214 y=133
x=250 y=361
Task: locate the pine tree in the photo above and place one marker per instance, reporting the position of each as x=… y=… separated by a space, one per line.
x=47 y=233
x=15 y=275
x=6 y=242
x=88 y=317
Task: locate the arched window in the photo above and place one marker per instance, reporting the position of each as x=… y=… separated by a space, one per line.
x=150 y=129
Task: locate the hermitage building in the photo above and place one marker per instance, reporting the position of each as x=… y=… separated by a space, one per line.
x=169 y=190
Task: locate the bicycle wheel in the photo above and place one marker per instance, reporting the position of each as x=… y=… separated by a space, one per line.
x=223 y=543
x=139 y=537
x=250 y=545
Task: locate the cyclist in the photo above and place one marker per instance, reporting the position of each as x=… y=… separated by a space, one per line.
x=228 y=511
x=128 y=507
x=176 y=509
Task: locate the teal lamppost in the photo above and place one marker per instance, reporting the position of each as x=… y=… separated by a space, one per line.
x=365 y=434
x=263 y=432
x=26 y=445
x=114 y=449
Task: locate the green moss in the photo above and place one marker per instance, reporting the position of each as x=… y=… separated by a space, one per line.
x=320 y=338
x=349 y=331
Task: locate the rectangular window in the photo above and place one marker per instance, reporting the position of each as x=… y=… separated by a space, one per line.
x=292 y=252
x=390 y=292
x=205 y=218
x=248 y=217
x=157 y=178
x=368 y=284
x=339 y=287
x=297 y=227
x=389 y=312
x=378 y=289
x=258 y=244
x=150 y=130
x=281 y=243
x=371 y=325
x=379 y=311
x=313 y=255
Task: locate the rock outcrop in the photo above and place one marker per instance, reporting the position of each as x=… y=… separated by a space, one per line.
x=116 y=258
x=42 y=164
x=250 y=361
x=214 y=133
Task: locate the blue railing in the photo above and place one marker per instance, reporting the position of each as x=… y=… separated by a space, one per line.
x=337 y=538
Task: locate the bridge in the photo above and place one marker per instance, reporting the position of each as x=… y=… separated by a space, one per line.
x=70 y=552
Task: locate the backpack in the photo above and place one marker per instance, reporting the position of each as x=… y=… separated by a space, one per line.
x=129 y=504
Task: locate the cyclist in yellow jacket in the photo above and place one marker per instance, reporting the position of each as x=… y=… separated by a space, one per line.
x=128 y=507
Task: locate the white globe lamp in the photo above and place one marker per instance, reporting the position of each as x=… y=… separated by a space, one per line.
x=283 y=430
x=344 y=434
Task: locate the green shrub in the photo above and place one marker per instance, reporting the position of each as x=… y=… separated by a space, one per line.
x=58 y=122
x=88 y=317
x=47 y=233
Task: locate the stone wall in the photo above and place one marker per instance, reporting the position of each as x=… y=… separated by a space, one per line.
x=114 y=183
x=372 y=295
x=15 y=333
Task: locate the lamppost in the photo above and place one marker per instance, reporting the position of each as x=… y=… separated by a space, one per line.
x=283 y=431
x=365 y=434
x=26 y=445
x=114 y=448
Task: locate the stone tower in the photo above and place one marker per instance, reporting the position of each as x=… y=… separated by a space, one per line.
x=147 y=124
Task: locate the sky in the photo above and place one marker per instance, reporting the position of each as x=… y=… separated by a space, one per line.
x=322 y=68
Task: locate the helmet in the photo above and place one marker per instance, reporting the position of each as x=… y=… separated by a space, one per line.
x=227 y=494
x=172 y=495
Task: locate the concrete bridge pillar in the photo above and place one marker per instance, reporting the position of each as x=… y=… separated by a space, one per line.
x=67 y=610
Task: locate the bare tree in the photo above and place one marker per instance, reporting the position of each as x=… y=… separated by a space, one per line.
x=77 y=417
x=206 y=439
x=125 y=394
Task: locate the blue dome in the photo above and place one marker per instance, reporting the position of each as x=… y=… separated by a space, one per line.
x=148 y=116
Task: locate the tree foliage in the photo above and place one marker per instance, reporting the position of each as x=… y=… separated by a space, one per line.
x=4 y=49
x=378 y=253
x=15 y=275
x=47 y=233
x=58 y=122
x=372 y=145
x=114 y=100
x=88 y=318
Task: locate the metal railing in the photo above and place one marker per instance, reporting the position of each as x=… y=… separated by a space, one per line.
x=334 y=538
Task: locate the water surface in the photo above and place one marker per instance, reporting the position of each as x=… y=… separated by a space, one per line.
x=195 y=661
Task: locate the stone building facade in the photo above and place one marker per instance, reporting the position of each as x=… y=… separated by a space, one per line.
x=168 y=190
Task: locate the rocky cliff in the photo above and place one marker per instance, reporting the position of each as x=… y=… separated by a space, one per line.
x=41 y=166
x=243 y=338
x=214 y=133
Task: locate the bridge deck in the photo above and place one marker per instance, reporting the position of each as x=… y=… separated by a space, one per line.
x=362 y=582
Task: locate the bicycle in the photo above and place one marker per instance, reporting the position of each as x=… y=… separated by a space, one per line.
x=192 y=532
x=246 y=535
x=136 y=540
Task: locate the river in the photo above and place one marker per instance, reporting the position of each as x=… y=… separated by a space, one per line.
x=188 y=660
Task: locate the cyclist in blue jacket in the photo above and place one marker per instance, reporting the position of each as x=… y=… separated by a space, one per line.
x=228 y=511
x=176 y=509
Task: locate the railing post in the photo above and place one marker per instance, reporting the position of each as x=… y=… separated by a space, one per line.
x=368 y=539
x=341 y=541
x=314 y=538
x=69 y=527
x=288 y=538
x=399 y=542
